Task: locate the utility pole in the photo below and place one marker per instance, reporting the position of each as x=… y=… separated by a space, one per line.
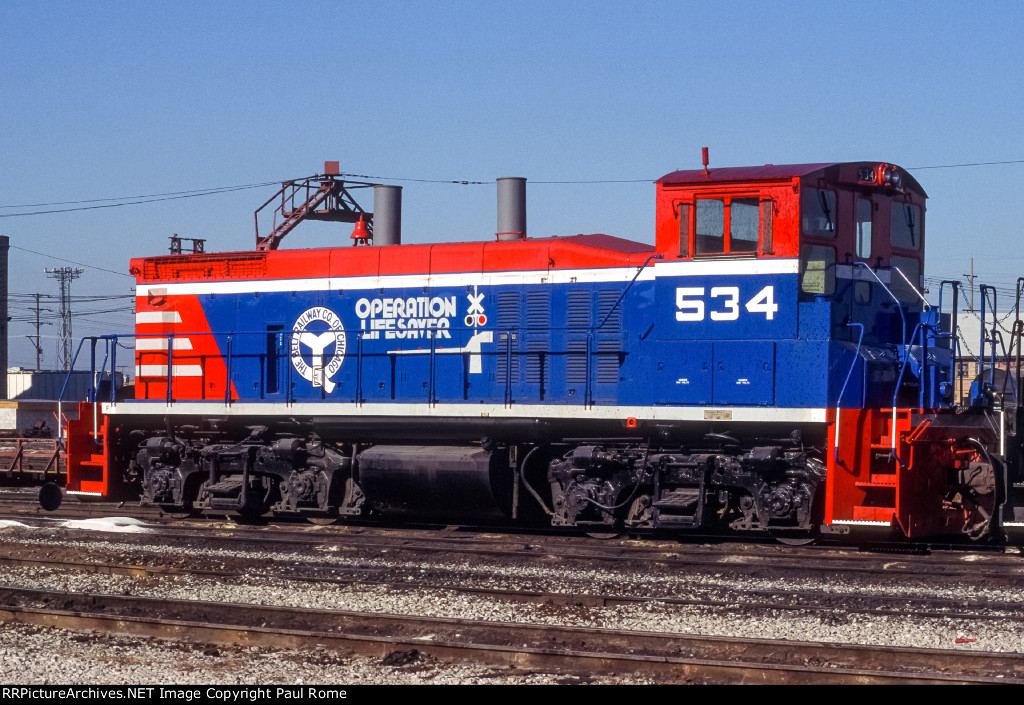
x=36 y=338
x=65 y=275
x=970 y=281
x=5 y=244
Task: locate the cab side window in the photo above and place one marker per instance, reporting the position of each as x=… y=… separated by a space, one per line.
x=818 y=222
x=818 y=212
x=730 y=225
x=863 y=230
x=744 y=222
x=905 y=227
x=817 y=269
x=710 y=231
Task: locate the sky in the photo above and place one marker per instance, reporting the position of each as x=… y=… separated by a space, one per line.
x=115 y=100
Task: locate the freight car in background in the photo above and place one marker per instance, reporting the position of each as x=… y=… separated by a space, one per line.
x=31 y=451
x=768 y=365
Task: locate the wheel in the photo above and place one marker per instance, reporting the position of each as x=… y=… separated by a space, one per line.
x=177 y=512
x=981 y=497
x=607 y=532
x=50 y=496
x=322 y=521
x=604 y=535
x=639 y=512
x=796 y=537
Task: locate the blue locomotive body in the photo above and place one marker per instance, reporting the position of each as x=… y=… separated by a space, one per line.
x=744 y=372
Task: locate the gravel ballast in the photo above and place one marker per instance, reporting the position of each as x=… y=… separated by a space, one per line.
x=33 y=655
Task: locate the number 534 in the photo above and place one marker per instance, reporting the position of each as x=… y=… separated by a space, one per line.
x=725 y=303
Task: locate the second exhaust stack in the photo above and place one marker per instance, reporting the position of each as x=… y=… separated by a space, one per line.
x=387 y=215
x=511 y=208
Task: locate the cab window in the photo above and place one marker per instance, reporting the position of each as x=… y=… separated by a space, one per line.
x=818 y=212
x=744 y=221
x=905 y=228
x=817 y=269
x=710 y=230
x=863 y=234
x=726 y=225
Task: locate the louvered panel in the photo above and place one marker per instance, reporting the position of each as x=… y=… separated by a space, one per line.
x=508 y=309
x=538 y=344
x=538 y=359
x=538 y=309
x=508 y=328
x=609 y=359
x=576 y=361
x=605 y=301
x=579 y=311
x=609 y=337
x=578 y=320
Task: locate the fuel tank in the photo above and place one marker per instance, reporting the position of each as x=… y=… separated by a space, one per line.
x=450 y=482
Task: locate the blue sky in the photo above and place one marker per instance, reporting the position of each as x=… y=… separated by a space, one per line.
x=113 y=99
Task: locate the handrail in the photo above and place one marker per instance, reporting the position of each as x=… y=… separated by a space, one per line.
x=1018 y=327
x=903 y=319
x=849 y=372
x=64 y=387
x=954 y=339
x=359 y=369
x=229 y=356
x=984 y=289
x=996 y=341
x=899 y=306
x=899 y=271
x=319 y=188
x=227 y=374
x=626 y=290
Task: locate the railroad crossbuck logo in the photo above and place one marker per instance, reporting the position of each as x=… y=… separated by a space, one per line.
x=318 y=346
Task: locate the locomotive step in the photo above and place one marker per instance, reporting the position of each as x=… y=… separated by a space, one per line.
x=229 y=484
x=678 y=499
x=677 y=520
x=885 y=480
x=873 y=513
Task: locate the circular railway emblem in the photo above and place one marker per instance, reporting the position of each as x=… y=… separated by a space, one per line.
x=318 y=346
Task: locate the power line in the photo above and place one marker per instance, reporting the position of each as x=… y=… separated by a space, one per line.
x=189 y=194
x=193 y=192
x=85 y=298
x=71 y=261
x=196 y=193
x=421 y=181
x=957 y=166
x=461 y=182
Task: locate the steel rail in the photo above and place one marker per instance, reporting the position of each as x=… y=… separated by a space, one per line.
x=789 y=600
x=677 y=658
x=997 y=569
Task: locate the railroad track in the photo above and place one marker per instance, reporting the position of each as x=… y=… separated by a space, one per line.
x=750 y=600
x=997 y=569
x=670 y=657
x=293 y=554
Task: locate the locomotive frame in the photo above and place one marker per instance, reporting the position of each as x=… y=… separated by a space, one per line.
x=770 y=364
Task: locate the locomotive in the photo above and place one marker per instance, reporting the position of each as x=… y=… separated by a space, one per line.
x=769 y=365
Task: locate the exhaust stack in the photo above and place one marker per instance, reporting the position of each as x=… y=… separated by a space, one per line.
x=387 y=215
x=511 y=208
